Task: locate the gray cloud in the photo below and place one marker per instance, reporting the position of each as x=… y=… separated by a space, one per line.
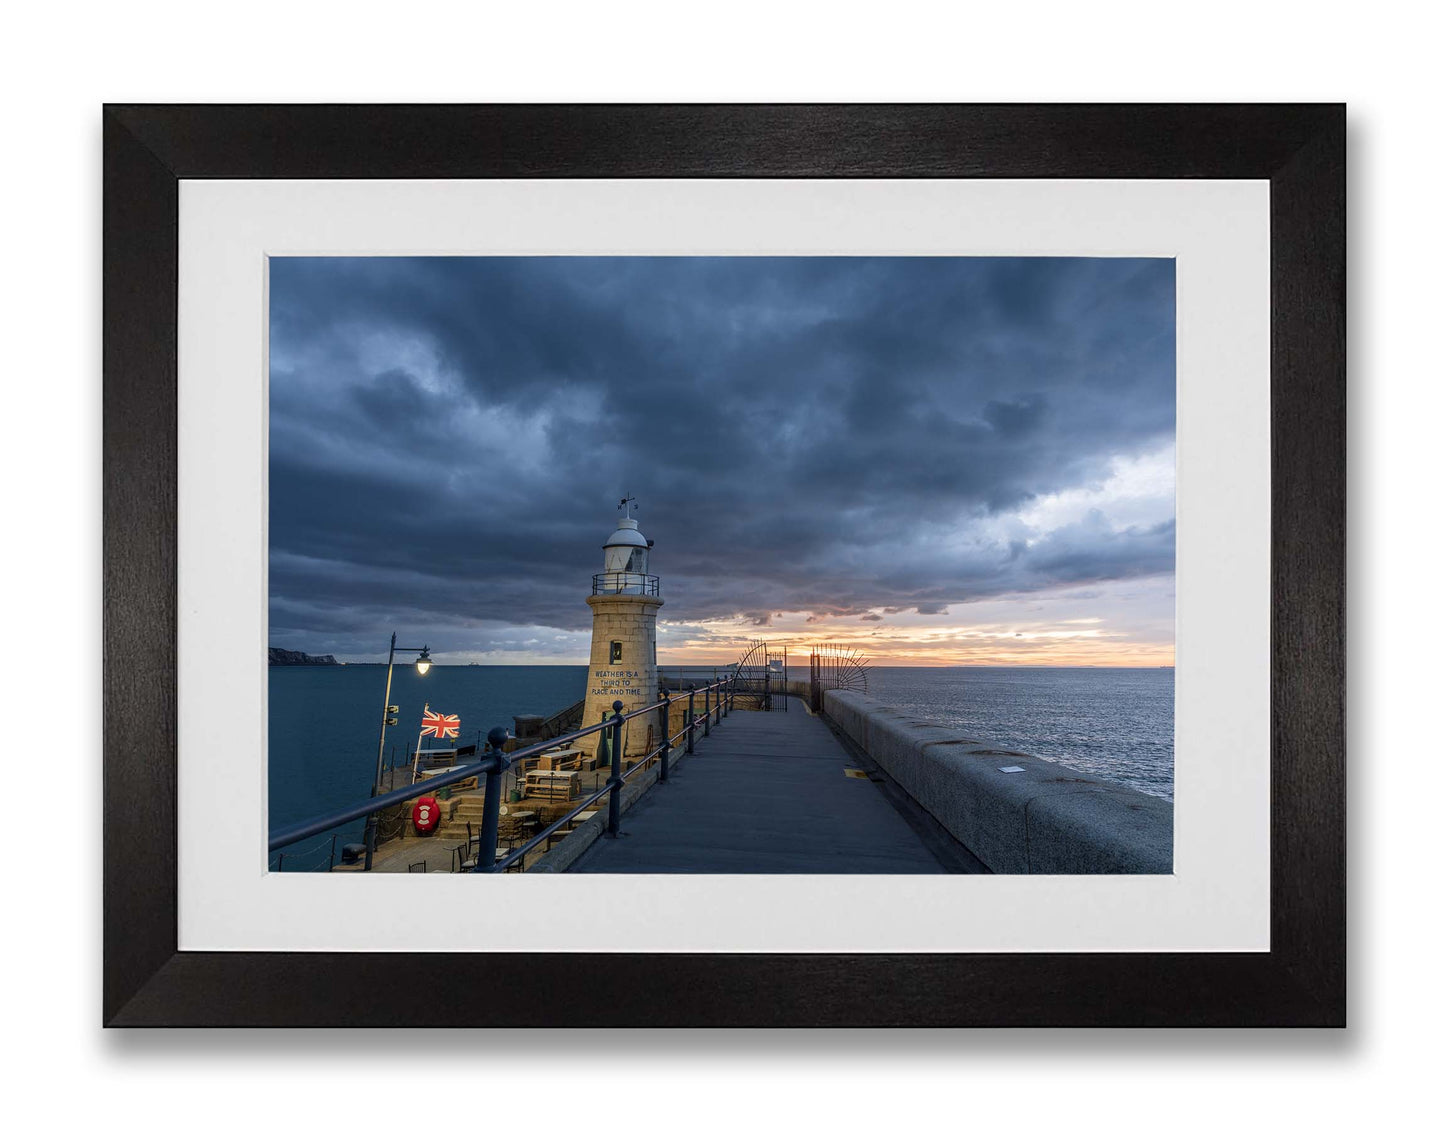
x=449 y=436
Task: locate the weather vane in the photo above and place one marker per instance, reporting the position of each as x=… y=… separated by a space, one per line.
x=627 y=501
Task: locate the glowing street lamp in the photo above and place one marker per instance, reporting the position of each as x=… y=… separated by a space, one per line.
x=388 y=719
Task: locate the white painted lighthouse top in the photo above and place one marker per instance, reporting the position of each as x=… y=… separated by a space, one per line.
x=626 y=553
x=626 y=535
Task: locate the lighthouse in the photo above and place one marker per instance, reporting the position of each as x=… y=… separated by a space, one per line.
x=624 y=601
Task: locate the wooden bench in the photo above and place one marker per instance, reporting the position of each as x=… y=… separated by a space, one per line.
x=551 y=786
x=436 y=758
x=560 y=760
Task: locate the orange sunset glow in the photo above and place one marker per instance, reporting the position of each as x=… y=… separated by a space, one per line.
x=1015 y=631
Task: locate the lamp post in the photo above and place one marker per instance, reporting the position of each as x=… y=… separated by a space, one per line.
x=388 y=718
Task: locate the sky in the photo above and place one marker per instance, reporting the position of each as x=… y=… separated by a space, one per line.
x=937 y=461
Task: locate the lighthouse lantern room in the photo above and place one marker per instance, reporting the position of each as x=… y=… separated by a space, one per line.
x=626 y=549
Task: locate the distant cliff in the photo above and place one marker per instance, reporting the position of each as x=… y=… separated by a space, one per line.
x=296 y=657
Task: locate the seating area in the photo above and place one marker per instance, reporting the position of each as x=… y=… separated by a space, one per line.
x=465 y=857
x=512 y=831
x=563 y=759
x=439 y=760
x=551 y=786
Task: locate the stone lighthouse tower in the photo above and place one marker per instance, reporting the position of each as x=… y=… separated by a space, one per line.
x=624 y=603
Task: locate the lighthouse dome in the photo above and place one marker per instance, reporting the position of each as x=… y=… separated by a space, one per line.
x=626 y=535
x=626 y=549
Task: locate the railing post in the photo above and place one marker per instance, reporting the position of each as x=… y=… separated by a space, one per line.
x=666 y=742
x=691 y=716
x=706 y=711
x=491 y=816
x=370 y=836
x=614 y=799
x=330 y=865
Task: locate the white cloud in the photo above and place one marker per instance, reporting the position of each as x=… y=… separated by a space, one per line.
x=1138 y=493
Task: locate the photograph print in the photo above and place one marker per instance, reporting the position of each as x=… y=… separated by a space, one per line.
x=753 y=565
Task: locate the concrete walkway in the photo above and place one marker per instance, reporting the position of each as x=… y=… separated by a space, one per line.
x=767 y=792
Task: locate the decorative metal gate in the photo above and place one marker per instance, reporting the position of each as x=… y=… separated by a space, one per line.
x=835 y=667
x=762 y=678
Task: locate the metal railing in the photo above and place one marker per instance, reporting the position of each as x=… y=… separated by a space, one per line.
x=328 y=865
x=716 y=704
x=625 y=583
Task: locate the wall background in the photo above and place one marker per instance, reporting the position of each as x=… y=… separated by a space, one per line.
x=64 y=61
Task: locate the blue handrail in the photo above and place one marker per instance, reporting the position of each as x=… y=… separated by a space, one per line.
x=492 y=765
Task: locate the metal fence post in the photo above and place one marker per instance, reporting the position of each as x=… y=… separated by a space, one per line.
x=369 y=837
x=691 y=713
x=614 y=799
x=706 y=711
x=491 y=816
x=666 y=742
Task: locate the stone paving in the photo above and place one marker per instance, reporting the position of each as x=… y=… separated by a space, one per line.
x=767 y=792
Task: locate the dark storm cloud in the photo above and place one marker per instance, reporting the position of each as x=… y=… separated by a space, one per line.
x=449 y=436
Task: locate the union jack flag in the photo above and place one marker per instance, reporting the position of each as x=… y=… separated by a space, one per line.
x=442 y=727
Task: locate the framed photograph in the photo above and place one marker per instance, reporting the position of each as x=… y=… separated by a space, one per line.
x=779 y=565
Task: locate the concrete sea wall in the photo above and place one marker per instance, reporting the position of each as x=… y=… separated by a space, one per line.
x=1042 y=819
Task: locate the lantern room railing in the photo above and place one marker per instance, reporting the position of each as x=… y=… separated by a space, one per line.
x=625 y=583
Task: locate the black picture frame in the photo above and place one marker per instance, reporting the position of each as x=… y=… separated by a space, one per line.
x=1299 y=149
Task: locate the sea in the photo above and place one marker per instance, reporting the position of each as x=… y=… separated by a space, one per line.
x=1117 y=724
x=324 y=721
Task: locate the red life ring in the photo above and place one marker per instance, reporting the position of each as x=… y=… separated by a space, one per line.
x=426 y=815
